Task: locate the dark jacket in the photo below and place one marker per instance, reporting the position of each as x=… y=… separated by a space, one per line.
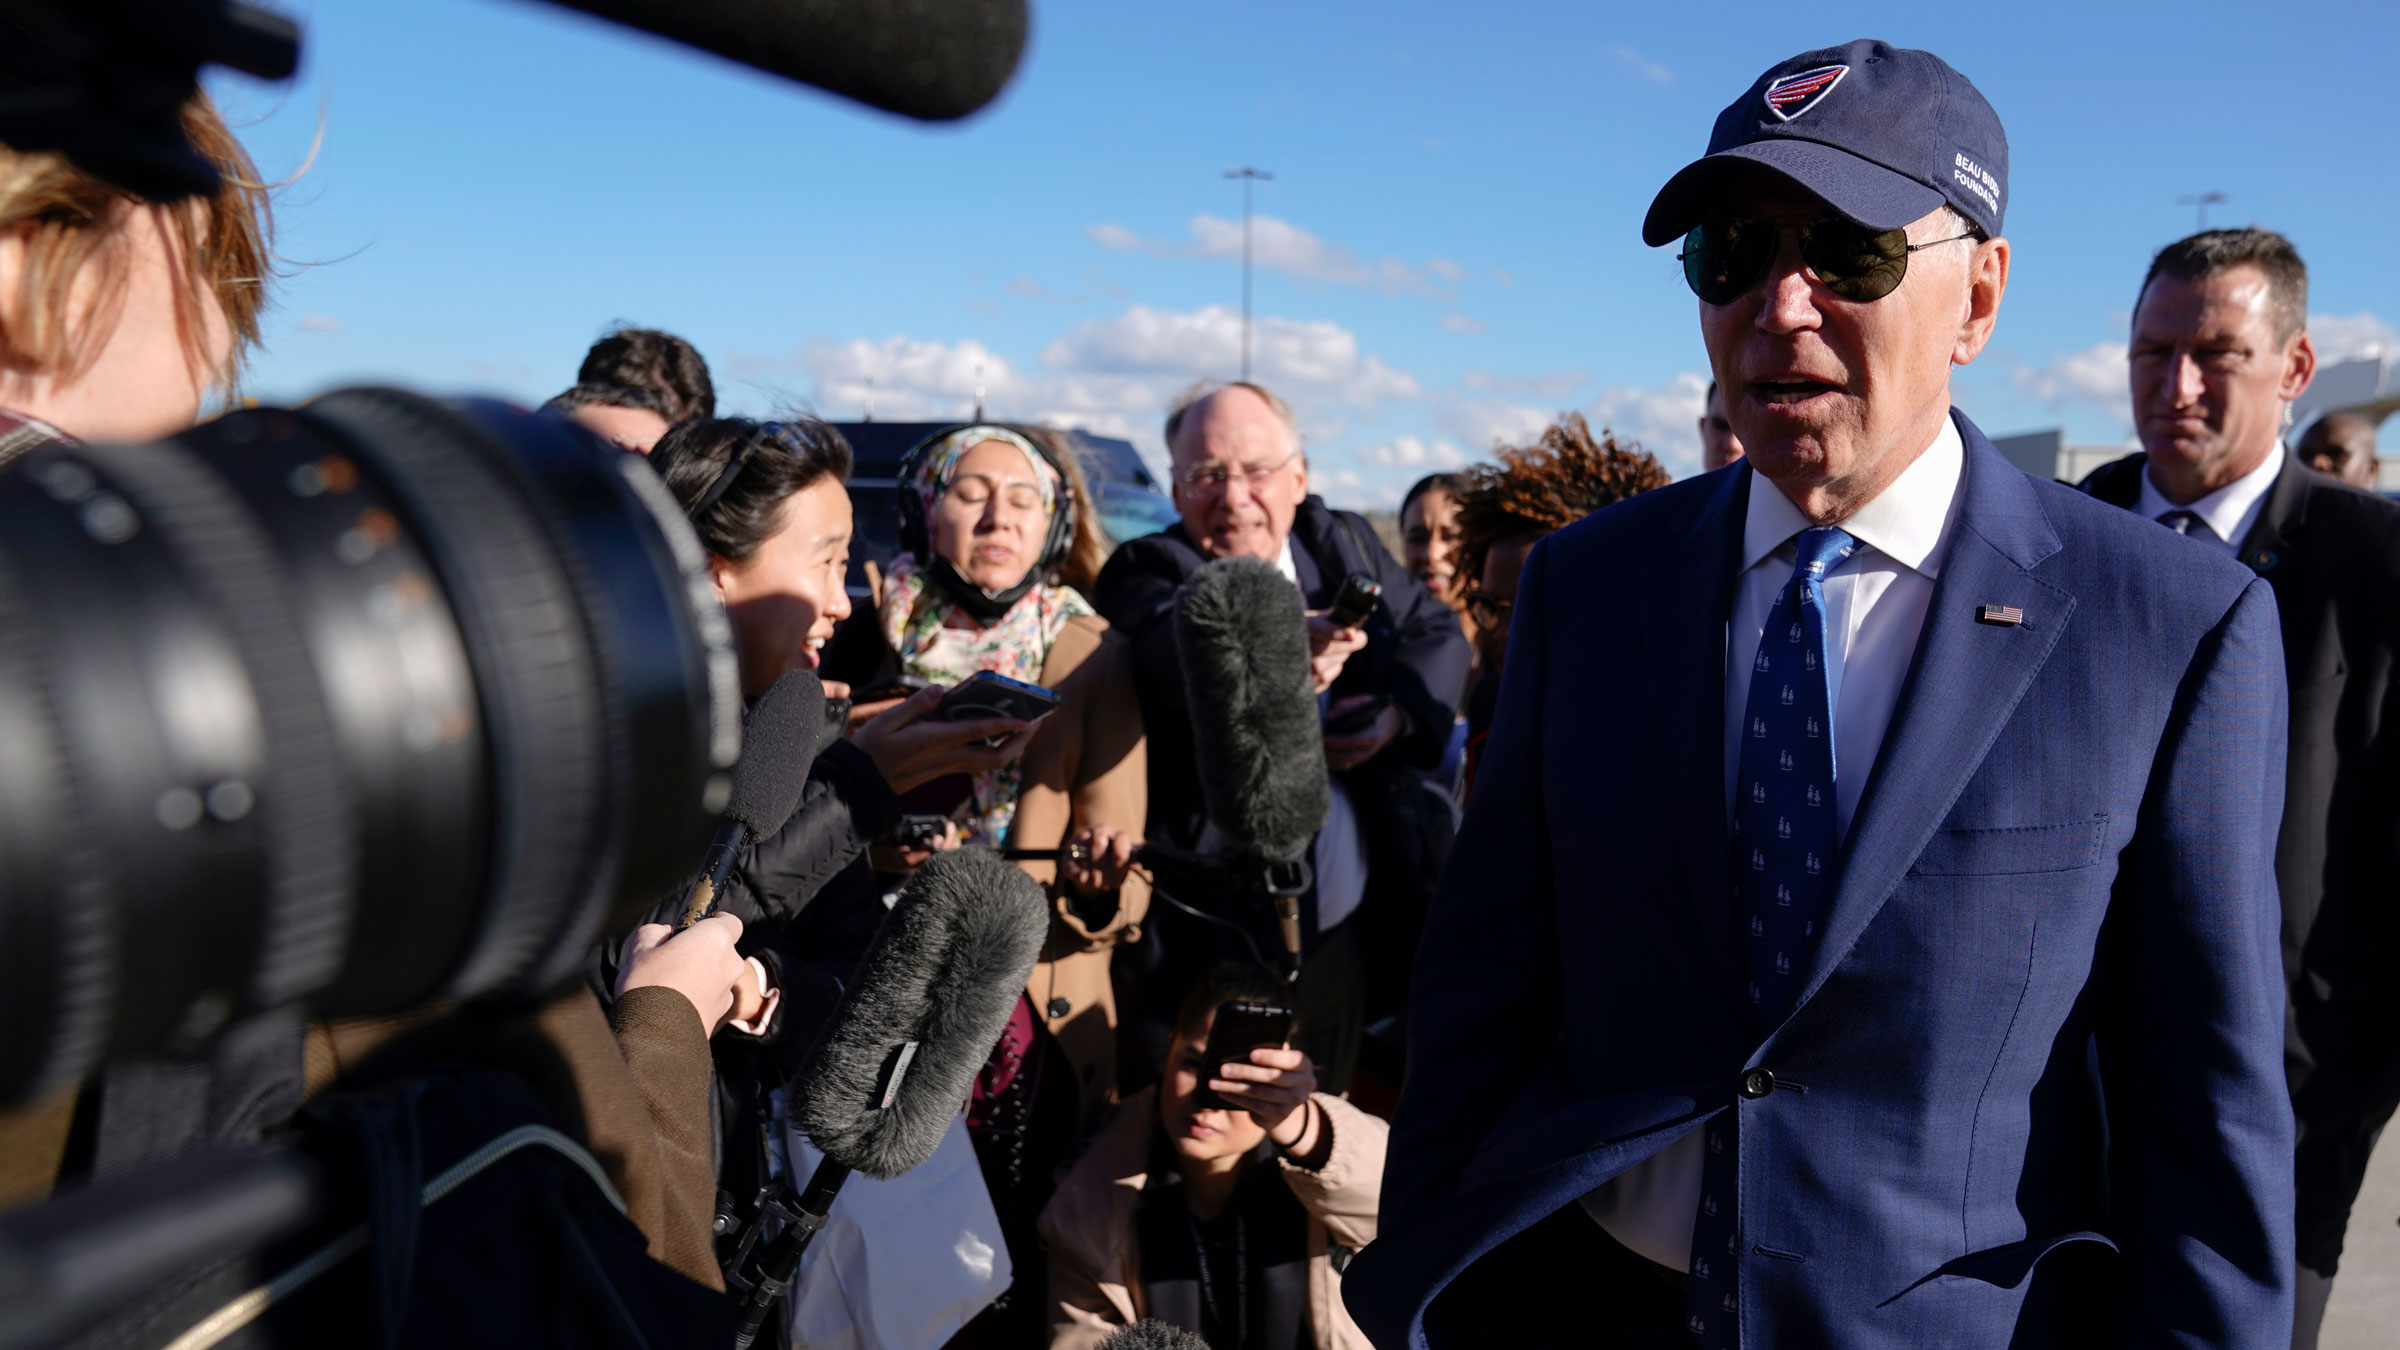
x=1415 y=654
x=2032 y=1068
x=2332 y=553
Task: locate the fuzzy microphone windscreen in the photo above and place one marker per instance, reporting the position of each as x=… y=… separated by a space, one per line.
x=1258 y=745
x=945 y=972
x=1152 y=1334
x=780 y=740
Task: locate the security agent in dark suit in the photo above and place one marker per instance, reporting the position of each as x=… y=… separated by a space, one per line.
x=2219 y=350
x=1241 y=488
x=1863 y=929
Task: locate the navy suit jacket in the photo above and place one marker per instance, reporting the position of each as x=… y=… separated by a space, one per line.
x=2048 y=1007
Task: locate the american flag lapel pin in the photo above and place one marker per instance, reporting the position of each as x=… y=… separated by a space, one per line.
x=2005 y=616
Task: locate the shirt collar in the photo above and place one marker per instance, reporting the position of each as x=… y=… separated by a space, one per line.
x=1284 y=563
x=2224 y=508
x=1906 y=522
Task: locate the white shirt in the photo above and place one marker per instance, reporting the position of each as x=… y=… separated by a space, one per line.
x=1875 y=605
x=2230 y=510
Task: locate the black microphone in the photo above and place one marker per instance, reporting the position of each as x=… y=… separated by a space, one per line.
x=1152 y=1334
x=935 y=60
x=1241 y=636
x=780 y=740
x=931 y=998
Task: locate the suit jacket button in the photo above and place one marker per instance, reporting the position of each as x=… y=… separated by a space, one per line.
x=1757 y=1083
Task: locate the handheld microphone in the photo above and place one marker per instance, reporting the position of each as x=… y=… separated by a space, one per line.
x=935 y=60
x=1152 y=1334
x=1241 y=635
x=780 y=740
x=932 y=997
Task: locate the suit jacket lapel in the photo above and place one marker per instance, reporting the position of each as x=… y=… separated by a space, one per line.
x=2268 y=545
x=1964 y=683
x=1687 y=596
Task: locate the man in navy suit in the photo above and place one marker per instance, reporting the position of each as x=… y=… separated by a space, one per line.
x=1865 y=931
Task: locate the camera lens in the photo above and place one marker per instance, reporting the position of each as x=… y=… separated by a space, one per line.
x=370 y=703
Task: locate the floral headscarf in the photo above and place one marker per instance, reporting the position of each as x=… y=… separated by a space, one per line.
x=938 y=638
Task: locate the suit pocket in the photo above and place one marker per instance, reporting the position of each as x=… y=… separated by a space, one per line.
x=2011 y=850
x=2008 y=1266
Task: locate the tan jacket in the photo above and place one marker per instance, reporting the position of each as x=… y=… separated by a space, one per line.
x=1086 y=766
x=1095 y=1269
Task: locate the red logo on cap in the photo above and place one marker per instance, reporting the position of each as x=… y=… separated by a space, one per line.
x=1796 y=93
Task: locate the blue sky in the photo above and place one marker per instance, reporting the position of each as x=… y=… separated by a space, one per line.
x=1449 y=252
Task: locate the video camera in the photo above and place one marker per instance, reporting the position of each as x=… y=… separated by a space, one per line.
x=348 y=708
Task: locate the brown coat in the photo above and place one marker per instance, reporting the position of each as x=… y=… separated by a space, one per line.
x=1095 y=1266
x=1086 y=766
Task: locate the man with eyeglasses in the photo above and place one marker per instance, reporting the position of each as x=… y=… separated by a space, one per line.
x=1390 y=689
x=1863 y=932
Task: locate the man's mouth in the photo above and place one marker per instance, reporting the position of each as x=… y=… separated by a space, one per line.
x=1789 y=391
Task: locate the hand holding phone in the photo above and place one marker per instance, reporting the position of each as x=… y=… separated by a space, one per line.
x=1241 y=1027
x=985 y=694
x=1355 y=603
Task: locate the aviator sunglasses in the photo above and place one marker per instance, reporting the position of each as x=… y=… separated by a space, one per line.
x=1723 y=259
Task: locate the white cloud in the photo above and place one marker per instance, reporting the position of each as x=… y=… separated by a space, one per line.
x=1664 y=418
x=2340 y=337
x=1305 y=360
x=1557 y=385
x=1409 y=452
x=1455 y=322
x=1280 y=246
x=2094 y=376
x=1488 y=422
x=1641 y=65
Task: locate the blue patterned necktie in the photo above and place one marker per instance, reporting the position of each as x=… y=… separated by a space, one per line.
x=1783 y=855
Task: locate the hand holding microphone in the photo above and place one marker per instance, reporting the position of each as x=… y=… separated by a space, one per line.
x=698 y=962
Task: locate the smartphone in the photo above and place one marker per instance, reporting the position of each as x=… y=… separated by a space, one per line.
x=1241 y=1027
x=919 y=831
x=1354 y=604
x=837 y=716
x=985 y=694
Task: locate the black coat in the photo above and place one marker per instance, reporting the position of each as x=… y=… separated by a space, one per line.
x=2332 y=554
x=1415 y=654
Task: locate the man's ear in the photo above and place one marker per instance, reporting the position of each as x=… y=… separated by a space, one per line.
x=1987 y=282
x=2299 y=367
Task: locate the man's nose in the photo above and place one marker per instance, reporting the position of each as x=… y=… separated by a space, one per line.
x=2185 y=382
x=1790 y=303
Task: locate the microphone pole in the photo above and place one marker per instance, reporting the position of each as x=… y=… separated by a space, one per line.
x=1278 y=881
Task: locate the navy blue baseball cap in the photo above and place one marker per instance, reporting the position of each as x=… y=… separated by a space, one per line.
x=1882 y=133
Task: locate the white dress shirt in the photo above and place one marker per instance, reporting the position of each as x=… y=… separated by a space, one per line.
x=2229 y=511
x=1875 y=604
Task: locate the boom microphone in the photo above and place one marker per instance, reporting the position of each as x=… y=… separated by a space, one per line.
x=1242 y=638
x=935 y=60
x=932 y=997
x=780 y=740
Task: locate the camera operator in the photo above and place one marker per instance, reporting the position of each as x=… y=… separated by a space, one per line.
x=1231 y=1221
x=1391 y=688
x=626 y=416
x=117 y=318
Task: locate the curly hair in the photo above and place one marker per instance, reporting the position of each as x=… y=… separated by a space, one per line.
x=661 y=364
x=1559 y=479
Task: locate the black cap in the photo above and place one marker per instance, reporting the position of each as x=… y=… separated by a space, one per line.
x=1882 y=133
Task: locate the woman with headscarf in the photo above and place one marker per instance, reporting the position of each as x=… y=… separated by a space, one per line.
x=1000 y=538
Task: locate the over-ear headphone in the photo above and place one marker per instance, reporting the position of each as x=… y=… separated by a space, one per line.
x=916 y=537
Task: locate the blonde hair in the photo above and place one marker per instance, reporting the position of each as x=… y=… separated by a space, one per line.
x=70 y=220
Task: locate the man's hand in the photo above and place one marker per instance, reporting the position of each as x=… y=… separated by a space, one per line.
x=1329 y=647
x=910 y=751
x=1098 y=859
x=1348 y=752
x=699 y=963
x=1273 y=1087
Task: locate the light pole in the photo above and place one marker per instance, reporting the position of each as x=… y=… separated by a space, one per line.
x=1248 y=176
x=2203 y=201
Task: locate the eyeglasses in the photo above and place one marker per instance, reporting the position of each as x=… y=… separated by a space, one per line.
x=1723 y=259
x=975 y=489
x=1210 y=480
x=1488 y=610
